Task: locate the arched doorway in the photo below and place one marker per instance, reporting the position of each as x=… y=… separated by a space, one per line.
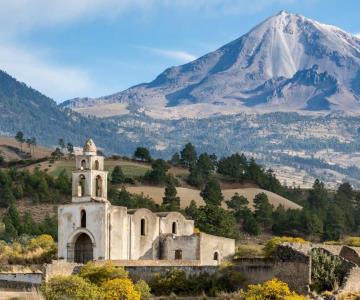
x=83 y=249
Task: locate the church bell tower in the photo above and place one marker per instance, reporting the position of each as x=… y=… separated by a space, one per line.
x=89 y=181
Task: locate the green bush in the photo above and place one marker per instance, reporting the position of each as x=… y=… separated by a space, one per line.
x=327 y=271
x=272 y=244
x=70 y=287
x=176 y=282
x=98 y=274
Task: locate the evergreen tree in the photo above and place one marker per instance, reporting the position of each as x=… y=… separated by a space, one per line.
x=250 y=224
x=142 y=153
x=117 y=175
x=188 y=155
x=211 y=193
x=175 y=159
x=171 y=201
x=334 y=223
x=263 y=209
x=158 y=173
x=63 y=183
x=318 y=196
x=20 y=138
x=6 y=197
x=61 y=143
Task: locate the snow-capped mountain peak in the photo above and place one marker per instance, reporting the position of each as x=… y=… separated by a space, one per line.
x=286 y=63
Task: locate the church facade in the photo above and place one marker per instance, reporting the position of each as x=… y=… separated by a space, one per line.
x=90 y=228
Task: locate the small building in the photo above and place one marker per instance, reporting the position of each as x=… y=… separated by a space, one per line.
x=90 y=228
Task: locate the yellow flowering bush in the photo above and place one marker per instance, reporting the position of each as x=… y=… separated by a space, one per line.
x=353 y=241
x=98 y=274
x=272 y=244
x=120 y=288
x=70 y=287
x=272 y=289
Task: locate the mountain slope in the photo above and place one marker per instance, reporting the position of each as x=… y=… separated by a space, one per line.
x=23 y=108
x=287 y=63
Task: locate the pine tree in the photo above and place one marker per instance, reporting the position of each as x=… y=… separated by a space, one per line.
x=212 y=193
x=188 y=155
x=263 y=209
x=171 y=201
x=250 y=224
x=117 y=175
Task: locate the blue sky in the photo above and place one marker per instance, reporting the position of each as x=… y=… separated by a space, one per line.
x=71 y=48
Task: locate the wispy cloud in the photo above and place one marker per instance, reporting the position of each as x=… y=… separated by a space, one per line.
x=58 y=82
x=178 y=55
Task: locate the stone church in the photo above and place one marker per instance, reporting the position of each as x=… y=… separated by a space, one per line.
x=90 y=228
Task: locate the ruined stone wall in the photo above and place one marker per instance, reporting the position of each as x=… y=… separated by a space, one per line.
x=211 y=244
x=188 y=245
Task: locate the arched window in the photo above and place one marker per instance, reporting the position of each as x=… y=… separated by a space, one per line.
x=216 y=256
x=83 y=218
x=142 y=225
x=81 y=186
x=174 y=228
x=96 y=165
x=98 y=186
x=83 y=164
x=178 y=254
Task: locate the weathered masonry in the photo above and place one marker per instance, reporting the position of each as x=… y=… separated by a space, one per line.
x=90 y=228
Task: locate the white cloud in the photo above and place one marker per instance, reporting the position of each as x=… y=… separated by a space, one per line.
x=357 y=35
x=178 y=55
x=24 y=15
x=58 y=82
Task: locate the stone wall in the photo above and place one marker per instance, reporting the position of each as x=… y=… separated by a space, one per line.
x=60 y=267
x=258 y=270
x=30 y=278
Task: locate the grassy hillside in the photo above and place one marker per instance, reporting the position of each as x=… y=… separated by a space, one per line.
x=187 y=194
x=10 y=149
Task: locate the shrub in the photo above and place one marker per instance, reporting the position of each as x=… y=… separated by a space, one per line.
x=98 y=274
x=120 y=288
x=272 y=244
x=353 y=241
x=70 y=287
x=144 y=289
x=327 y=271
x=272 y=289
x=249 y=251
x=175 y=282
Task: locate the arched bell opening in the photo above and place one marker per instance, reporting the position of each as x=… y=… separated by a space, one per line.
x=98 y=186
x=81 y=186
x=97 y=165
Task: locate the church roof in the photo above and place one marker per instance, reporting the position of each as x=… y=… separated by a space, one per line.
x=90 y=147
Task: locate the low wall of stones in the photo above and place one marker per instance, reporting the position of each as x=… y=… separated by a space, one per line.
x=258 y=270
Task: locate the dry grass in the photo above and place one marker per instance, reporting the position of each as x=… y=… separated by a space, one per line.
x=37 y=211
x=103 y=110
x=11 y=155
x=250 y=250
x=187 y=194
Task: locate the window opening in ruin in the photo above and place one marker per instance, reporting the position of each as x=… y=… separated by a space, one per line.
x=178 y=254
x=174 y=228
x=83 y=218
x=142 y=225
